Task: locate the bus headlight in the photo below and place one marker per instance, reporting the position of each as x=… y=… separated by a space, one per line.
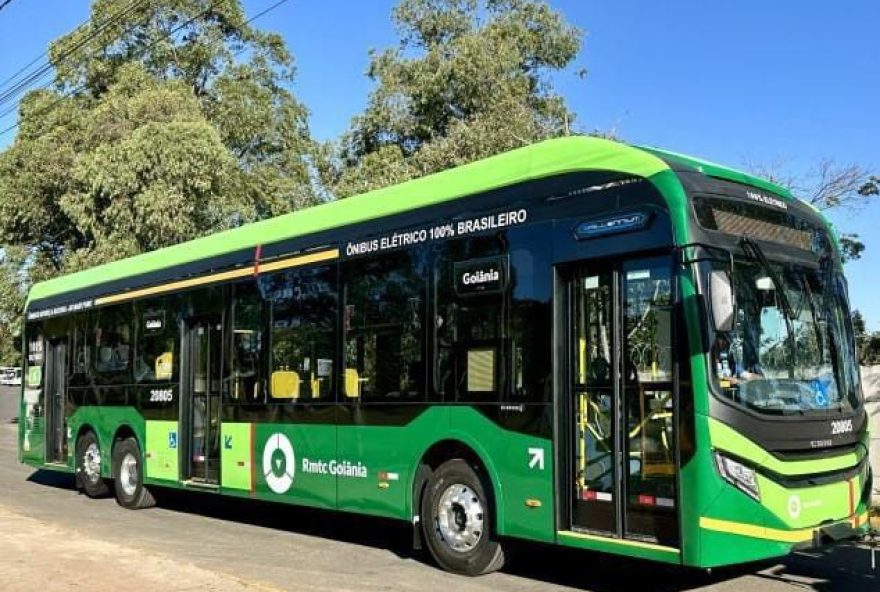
x=738 y=475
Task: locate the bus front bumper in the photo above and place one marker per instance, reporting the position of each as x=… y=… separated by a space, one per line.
x=833 y=534
x=735 y=542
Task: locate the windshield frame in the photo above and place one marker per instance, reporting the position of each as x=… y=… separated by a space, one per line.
x=835 y=354
x=787 y=436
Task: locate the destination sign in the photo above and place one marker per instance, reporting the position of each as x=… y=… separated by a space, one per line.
x=480 y=276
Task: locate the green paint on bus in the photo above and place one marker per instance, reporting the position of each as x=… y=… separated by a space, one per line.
x=579 y=374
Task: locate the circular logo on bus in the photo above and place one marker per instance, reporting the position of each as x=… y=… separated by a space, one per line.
x=794 y=506
x=279 y=463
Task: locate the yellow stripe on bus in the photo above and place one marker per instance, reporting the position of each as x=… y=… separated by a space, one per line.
x=762 y=532
x=615 y=541
x=222 y=276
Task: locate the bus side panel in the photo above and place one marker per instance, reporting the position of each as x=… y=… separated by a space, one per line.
x=523 y=468
x=32 y=409
x=32 y=427
x=698 y=479
x=391 y=454
x=519 y=466
x=105 y=422
x=292 y=464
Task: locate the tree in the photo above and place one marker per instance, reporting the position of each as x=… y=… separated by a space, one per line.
x=858 y=322
x=828 y=185
x=12 y=298
x=168 y=119
x=867 y=342
x=468 y=80
x=155 y=132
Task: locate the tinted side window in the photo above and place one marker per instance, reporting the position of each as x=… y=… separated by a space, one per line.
x=157 y=358
x=531 y=321
x=111 y=344
x=34 y=362
x=246 y=353
x=80 y=332
x=303 y=311
x=471 y=320
x=384 y=324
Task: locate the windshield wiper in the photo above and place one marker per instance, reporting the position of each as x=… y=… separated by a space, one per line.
x=808 y=292
x=754 y=250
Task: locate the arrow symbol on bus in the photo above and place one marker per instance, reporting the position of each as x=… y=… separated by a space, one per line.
x=536 y=458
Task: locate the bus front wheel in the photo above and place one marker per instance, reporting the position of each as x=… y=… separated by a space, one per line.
x=457 y=521
x=128 y=476
x=88 y=465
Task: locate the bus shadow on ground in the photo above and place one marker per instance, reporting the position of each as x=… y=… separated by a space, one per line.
x=844 y=568
x=52 y=479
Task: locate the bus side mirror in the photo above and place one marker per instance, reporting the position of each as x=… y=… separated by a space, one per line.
x=722 y=298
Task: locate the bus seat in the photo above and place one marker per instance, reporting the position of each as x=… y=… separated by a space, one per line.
x=164 y=366
x=285 y=385
x=316 y=386
x=352 y=383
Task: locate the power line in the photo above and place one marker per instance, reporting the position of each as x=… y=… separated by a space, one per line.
x=46 y=68
x=9 y=80
x=150 y=45
x=4 y=4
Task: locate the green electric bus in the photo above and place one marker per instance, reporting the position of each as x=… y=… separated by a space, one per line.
x=579 y=342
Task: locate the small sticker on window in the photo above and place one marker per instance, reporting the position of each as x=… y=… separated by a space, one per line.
x=591 y=283
x=638 y=274
x=325 y=367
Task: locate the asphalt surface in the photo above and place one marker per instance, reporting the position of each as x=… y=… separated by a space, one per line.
x=269 y=546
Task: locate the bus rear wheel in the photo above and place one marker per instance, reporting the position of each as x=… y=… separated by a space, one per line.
x=457 y=521
x=128 y=476
x=88 y=466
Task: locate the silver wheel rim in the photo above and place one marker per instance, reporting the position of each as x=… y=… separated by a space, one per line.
x=460 y=518
x=128 y=474
x=91 y=463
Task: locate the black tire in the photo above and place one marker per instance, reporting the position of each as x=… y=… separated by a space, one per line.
x=457 y=479
x=88 y=453
x=128 y=476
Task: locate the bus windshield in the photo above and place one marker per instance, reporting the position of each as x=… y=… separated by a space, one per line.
x=791 y=349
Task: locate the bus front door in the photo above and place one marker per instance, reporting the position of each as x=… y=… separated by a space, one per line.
x=200 y=404
x=622 y=478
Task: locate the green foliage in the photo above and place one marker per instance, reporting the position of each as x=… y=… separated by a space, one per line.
x=12 y=297
x=172 y=122
x=468 y=80
x=173 y=119
x=867 y=343
x=858 y=323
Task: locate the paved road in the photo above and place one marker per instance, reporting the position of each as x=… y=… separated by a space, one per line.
x=194 y=542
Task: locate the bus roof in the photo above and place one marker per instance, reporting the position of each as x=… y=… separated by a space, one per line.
x=543 y=159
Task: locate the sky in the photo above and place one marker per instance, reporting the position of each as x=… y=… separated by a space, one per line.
x=733 y=82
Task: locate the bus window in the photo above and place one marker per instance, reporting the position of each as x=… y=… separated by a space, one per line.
x=247 y=345
x=79 y=350
x=384 y=327
x=531 y=320
x=302 y=309
x=157 y=359
x=471 y=321
x=111 y=344
x=35 y=359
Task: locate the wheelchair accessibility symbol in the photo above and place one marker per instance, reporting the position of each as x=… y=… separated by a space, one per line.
x=279 y=463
